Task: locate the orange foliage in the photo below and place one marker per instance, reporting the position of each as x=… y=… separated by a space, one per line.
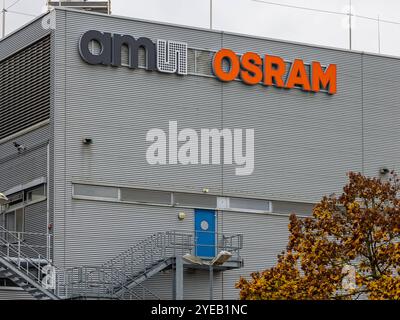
x=358 y=230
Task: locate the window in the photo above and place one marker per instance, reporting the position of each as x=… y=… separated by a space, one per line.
x=170 y=198
x=95 y=191
x=14 y=220
x=13 y=217
x=36 y=194
x=15 y=200
x=249 y=204
x=146 y=196
x=195 y=200
x=10 y=221
x=299 y=208
x=244 y=204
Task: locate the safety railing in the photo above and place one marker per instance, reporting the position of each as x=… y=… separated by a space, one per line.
x=94 y=282
x=26 y=241
x=30 y=264
x=120 y=277
x=115 y=277
x=182 y=242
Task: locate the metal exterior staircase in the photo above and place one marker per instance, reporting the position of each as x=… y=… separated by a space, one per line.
x=25 y=271
x=123 y=275
x=120 y=278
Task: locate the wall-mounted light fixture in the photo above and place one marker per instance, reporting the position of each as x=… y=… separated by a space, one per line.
x=20 y=147
x=206 y=190
x=383 y=171
x=87 y=141
x=181 y=215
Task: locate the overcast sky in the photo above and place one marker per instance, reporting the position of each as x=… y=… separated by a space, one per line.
x=254 y=17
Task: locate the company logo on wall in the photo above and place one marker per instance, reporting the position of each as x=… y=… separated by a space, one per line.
x=269 y=70
x=172 y=57
x=163 y=56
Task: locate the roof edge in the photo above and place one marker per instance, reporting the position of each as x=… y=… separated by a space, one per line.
x=232 y=33
x=201 y=29
x=24 y=26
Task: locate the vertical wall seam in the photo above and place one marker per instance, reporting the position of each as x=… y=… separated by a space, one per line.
x=222 y=178
x=65 y=134
x=222 y=120
x=362 y=114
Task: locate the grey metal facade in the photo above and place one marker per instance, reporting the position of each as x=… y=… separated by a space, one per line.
x=304 y=142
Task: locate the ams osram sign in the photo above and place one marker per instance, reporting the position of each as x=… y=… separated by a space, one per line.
x=171 y=57
x=271 y=70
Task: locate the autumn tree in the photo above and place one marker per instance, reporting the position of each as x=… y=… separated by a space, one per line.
x=349 y=248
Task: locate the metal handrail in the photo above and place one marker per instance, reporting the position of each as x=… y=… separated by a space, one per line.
x=22 y=256
x=123 y=284
x=25 y=239
x=11 y=233
x=112 y=277
x=229 y=242
x=140 y=256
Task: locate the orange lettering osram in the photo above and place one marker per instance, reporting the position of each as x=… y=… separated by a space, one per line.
x=274 y=71
x=327 y=78
x=298 y=76
x=234 y=63
x=251 y=68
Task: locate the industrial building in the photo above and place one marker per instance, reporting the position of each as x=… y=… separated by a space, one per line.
x=109 y=190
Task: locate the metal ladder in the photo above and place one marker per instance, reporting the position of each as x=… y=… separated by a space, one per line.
x=22 y=269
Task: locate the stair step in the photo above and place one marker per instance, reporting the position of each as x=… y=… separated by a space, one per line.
x=37 y=294
x=31 y=289
x=26 y=286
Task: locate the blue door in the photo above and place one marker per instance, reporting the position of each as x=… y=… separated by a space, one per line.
x=204 y=225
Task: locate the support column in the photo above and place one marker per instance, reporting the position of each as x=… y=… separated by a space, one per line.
x=178 y=295
x=211 y=270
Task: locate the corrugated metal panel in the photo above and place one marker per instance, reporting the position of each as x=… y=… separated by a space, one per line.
x=195 y=284
x=22 y=38
x=305 y=143
x=25 y=88
x=16 y=168
x=292 y=120
x=19 y=169
x=300 y=138
x=381 y=114
x=264 y=237
x=14 y=294
x=23 y=168
x=180 y=99
x=97 y=231
x=36 y=226
x=110 y=228
x=58 y=112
